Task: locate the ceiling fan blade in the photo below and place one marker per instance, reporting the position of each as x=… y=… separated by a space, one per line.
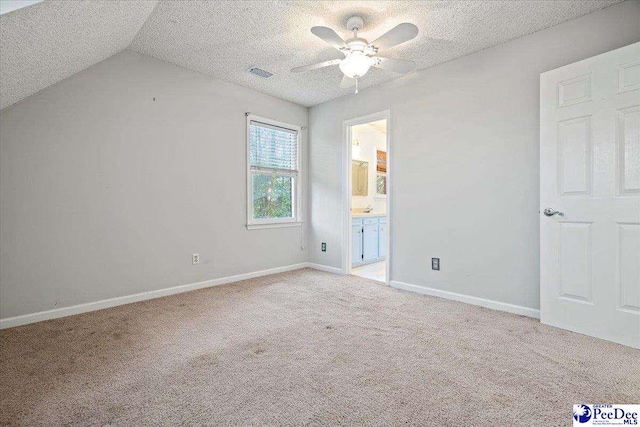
x=315 y=66
x=329 y=36
x=400 y=34
x=401 y=66
x=347 y=82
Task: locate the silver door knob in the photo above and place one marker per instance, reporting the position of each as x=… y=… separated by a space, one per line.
x=551 y=212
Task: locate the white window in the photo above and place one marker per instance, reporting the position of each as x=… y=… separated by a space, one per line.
x=273 y=173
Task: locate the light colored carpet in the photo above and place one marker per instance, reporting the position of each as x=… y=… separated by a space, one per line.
x=305 y=348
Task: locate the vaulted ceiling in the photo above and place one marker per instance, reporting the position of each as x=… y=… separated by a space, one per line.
x=43 y=44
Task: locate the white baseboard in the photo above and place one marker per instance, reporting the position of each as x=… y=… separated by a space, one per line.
x=326 y=268
x=25 y=319
x=495 y=305
x=113 y=302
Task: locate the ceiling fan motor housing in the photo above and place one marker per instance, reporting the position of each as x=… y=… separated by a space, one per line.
x=357 y=44
x=355 y=23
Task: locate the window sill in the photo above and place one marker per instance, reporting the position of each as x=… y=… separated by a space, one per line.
x=274 y=225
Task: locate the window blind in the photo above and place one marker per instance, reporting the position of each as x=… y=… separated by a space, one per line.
x=272 y=147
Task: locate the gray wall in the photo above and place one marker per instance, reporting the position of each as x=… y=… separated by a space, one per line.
x=464 y=166
x=106 y=193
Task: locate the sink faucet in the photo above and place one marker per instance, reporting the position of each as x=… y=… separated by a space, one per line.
x=368 y=209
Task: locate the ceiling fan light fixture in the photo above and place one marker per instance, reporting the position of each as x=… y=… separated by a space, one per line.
x=356 y=64
x=360 y=55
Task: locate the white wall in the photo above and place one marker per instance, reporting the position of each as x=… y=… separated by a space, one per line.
x=464 y=155
x=370 y=140
x=106 y=192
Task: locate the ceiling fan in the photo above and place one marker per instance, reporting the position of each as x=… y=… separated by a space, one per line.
x=360 y=55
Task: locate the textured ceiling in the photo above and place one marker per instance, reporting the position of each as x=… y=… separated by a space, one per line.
x=225 y=38
x=47 y=42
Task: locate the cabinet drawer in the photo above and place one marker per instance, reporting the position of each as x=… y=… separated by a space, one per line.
x=383 y=220
x=370 y=220
x=356 y=221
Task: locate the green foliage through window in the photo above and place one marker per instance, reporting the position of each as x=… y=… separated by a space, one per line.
x=272 y=196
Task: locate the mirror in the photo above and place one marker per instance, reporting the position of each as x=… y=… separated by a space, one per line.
x=359 y=178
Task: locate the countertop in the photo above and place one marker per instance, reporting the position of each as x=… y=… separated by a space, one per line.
x=367 y=215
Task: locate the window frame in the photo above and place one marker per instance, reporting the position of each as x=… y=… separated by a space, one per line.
x=296 y=179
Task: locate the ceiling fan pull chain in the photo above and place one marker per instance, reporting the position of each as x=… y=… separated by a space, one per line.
x=356 y=85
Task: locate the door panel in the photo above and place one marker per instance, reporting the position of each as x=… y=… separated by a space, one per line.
x=574 y=91
x=574 y=156
x=575 y=261
x=629 y=76
x=370 y=242
x=356 y=244
x=629 y=267
x=590 y=172
x=382 y=240
x=628 y=150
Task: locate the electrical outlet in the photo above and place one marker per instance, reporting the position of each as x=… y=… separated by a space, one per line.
x=323 y=247
x=195 y=259
x=435 y=263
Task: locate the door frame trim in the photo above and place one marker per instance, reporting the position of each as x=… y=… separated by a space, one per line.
x=346 y=188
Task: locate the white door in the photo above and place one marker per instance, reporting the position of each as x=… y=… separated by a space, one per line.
x=590 y=174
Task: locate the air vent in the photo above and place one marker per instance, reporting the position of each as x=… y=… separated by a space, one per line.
x=259 y=72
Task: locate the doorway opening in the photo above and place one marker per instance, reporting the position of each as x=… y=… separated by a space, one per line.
x=367 y=185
